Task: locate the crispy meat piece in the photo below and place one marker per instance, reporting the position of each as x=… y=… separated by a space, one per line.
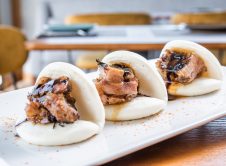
x=120 y=99
x=178 y=67
x=36 y=114
x=116 y=84
x=190 y=71
x=46 y=85
x=51 y=101
x=121 y=88
x=62 y=85
x=57 y=105
x=113 y=75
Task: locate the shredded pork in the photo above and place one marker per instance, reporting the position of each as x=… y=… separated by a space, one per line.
x=178 y=67
x=116 y=84
x=51 y=101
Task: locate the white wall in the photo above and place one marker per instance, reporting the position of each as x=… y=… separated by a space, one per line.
x=5 y=14
x=32 y=14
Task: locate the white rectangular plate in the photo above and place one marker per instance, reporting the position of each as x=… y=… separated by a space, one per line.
x=116 y=140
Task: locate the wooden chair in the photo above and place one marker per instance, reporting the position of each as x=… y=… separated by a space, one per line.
x=12 y=51
x=87 y=61
x=110 y=19
x=202 y=18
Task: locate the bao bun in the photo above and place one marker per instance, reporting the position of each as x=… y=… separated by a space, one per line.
x=207 y=82
x=87 y=103
x=151 y=86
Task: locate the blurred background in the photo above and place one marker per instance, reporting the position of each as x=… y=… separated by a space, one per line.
x=27 y=25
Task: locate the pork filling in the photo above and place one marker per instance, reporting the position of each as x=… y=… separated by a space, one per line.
x=51 y=101
x=116 y=83
x=180 y=67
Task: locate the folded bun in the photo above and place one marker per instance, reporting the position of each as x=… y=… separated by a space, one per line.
x=151 y=86
x=139 y=107
x=46 y=135
x=88 y=104
x=208 y=82
x=199 y=86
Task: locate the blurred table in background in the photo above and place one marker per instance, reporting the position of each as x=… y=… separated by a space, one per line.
x=139 y=38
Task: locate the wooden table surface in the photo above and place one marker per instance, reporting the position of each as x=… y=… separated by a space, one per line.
x=203 y=146
x=44 y=45
x=152 y=37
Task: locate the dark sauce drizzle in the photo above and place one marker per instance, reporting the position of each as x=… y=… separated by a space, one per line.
x=54 y=121
x=18 y=124
x=177 y=62
x=61 y=124
x=41 y=90
x=16 y=135
x=102 y=64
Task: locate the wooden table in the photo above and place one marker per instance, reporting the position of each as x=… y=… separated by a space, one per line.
x=203 y=146
x=130 y=38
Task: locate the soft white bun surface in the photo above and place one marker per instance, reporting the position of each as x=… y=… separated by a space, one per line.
x=88 y=104
x=205 y=84
x=150 y=84
x=199 y=86
x=139 y=107
x=40 y=134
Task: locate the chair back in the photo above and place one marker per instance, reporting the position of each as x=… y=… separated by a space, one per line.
x=110 y=19
x=202 y=18
x=12 y=49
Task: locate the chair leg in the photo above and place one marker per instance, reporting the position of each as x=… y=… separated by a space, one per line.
x=221 y=56
x=13 y=74
x=153 y=54
x=150 y=54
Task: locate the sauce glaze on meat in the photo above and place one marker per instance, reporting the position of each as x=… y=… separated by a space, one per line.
x=116 y=83
x=180 y=66
x=51 y=101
